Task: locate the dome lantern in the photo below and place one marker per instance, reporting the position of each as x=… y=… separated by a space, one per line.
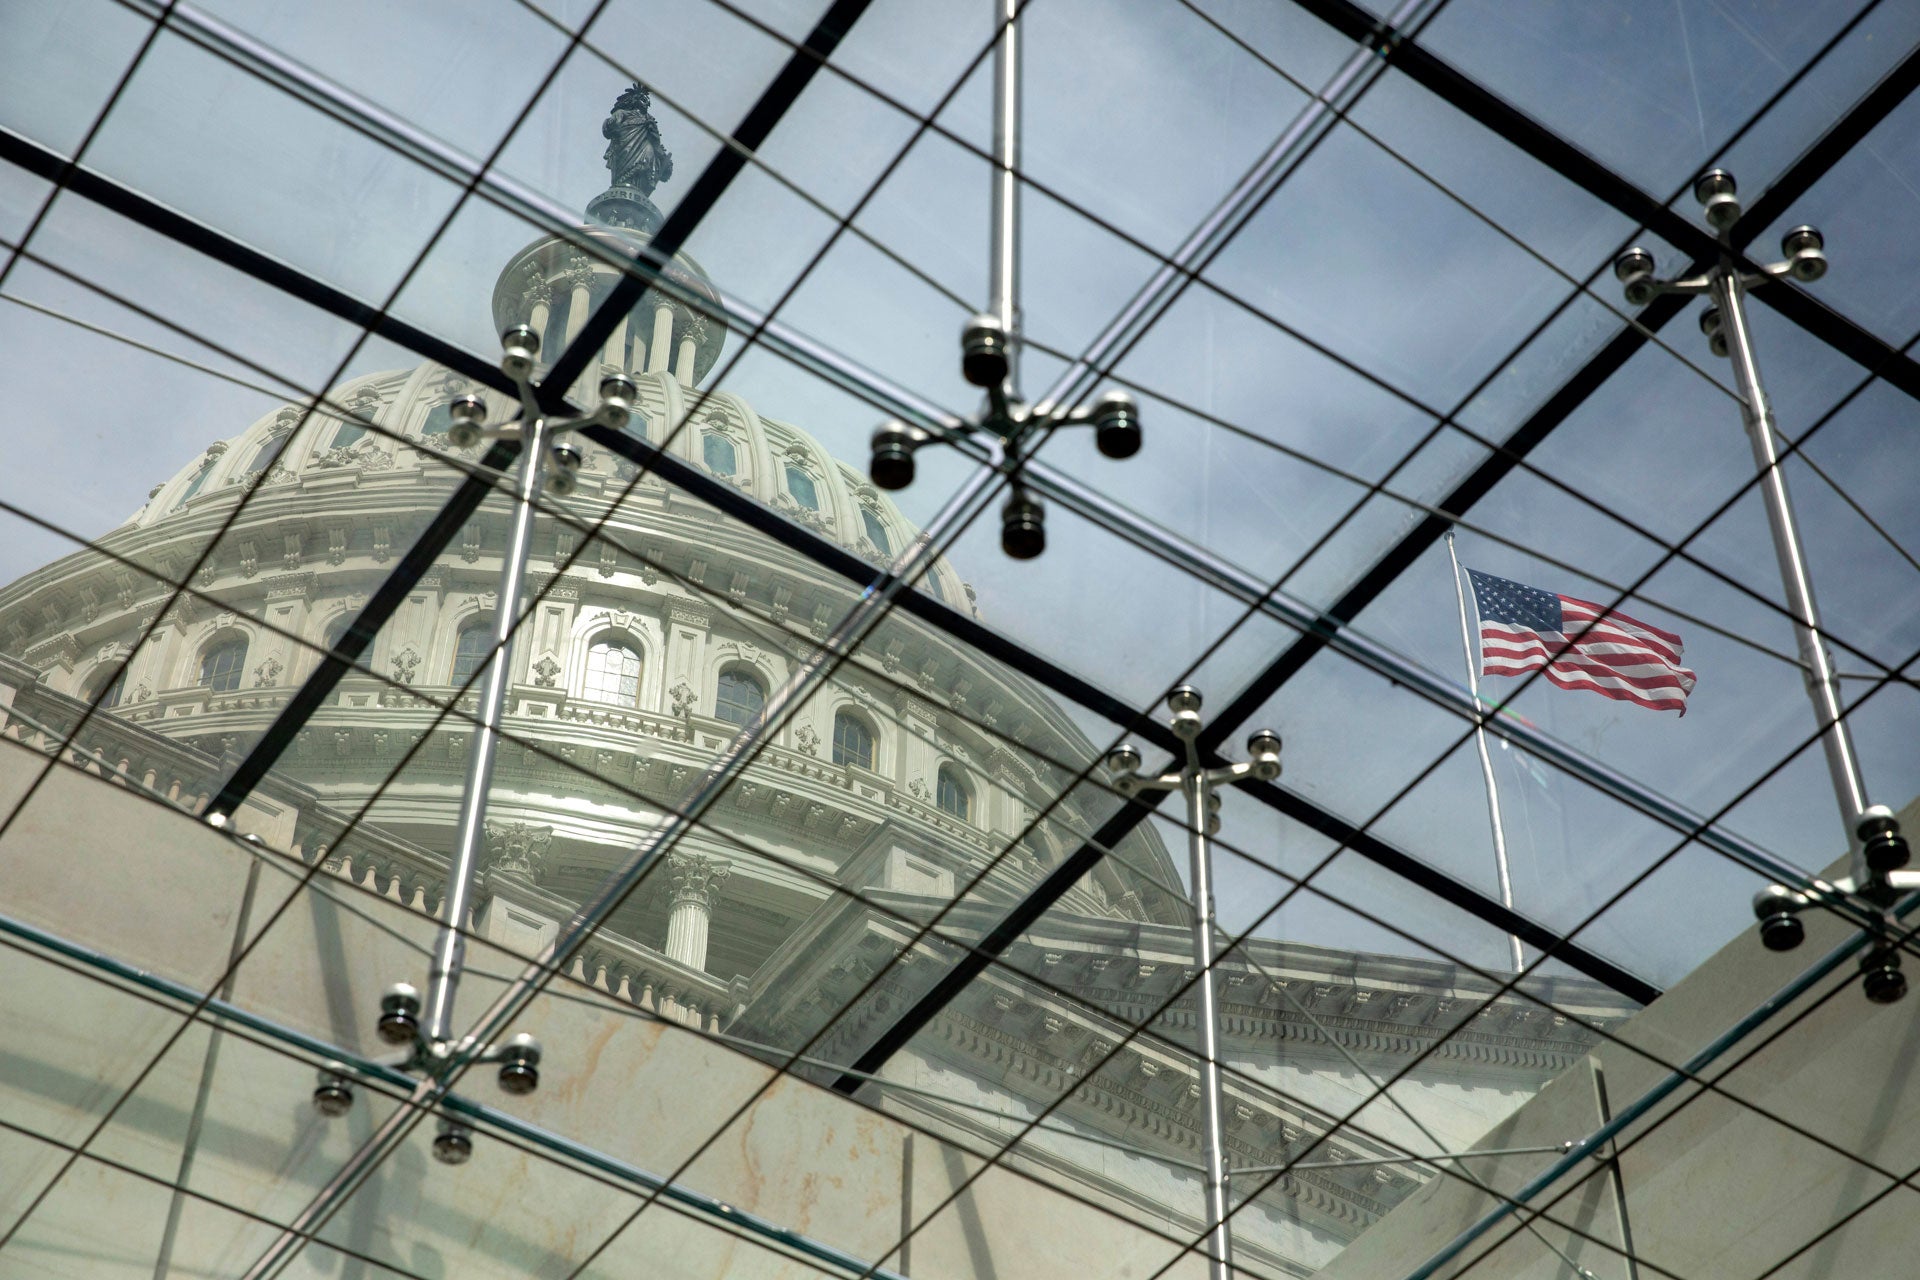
x=554 y=284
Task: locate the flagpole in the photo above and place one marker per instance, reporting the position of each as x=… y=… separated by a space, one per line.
x=1486 y=759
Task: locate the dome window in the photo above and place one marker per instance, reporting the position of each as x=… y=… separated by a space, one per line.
x=613 y=673
x=199 y=482
x=330 y=638
x=109 y=689
x=470 y=649
x=350 y=433
x=951 y=794
x=876 y=532
x=439 y=420
x=267 y=454
x=221 y=665
x=800 y=486
x=852 y=741
x=740 y=696
x=719 y=454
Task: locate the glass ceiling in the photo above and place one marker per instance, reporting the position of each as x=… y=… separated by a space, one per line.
x=799 y=858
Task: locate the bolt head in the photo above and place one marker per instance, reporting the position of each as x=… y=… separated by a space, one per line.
x=332 y=1099
x=1782 y=932
x=1881 y=977
x=983 y=351
x=1263 y=749
x=399 y=1014
x=1808 y=265
x=518 y=1079
x=1633 y=263
x=519 y=348
x=1722 y=212
x=1184 y=698
x=1116 y=425
x=892 y=466
x=1023 y=527
x=453 y=1144
x=1714 y=182
x=1124 y=759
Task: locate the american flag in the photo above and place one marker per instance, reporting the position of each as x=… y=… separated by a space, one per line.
x=1581 y=645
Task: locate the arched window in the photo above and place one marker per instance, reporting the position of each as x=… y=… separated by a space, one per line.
x=108 y=689
x=719 y=453
x=267 y=454
x=199 y=481
x=852 y=741
x=439 y=420
x=876 y=532
x=951 y=794
x=740 y=697
x=336 y=629
x=221 y=665
x=350 y=433
x=800 y=485
x=613 y=673
x=470 y=649
x=932 y=583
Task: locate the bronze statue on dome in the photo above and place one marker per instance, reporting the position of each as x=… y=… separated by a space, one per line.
x=635 y=155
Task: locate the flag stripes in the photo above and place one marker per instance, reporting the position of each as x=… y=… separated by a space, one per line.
x=1578 y=644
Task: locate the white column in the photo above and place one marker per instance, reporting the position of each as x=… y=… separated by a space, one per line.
x=538 y=318
x=695 y=879
x=581 y=302
x=661 y=348
x=615 y=353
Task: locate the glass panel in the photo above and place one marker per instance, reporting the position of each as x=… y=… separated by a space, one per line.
x=207 y=138
x=1865 y=248
x=1652 y=96
x=74 y=54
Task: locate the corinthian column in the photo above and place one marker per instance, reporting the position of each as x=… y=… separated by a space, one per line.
x=695 y=879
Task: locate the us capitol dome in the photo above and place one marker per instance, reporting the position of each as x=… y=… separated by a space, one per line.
x=877 y=804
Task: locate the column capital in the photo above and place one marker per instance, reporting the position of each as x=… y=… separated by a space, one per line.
x=696 y=877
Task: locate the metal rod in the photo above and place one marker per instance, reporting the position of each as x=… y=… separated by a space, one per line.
x=1823 y=686
x=1446 y=1155
x=1617 y=1177
x=1004 y=272
x=897 y=400
x=718 y=775
x=370 y=1069
x=1486 y=758
x=450 y=948
x=1194 y=785
x=1240 y=204
x=1584 y=1150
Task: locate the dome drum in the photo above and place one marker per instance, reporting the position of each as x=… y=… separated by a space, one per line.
x=554 y=284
